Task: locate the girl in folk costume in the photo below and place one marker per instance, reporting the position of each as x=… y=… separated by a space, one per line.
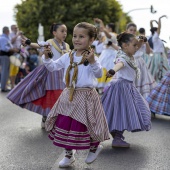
x=40 y=89
x=145 y=48
x=77 y=119
x=146 y=82
x=158 y=64
x=159 y=98
x=108 y=54
x=99 y=44
x=124 y=106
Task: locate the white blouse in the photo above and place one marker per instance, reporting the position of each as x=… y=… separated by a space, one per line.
x=86 y=74
x=158 y=46
x=127 y=72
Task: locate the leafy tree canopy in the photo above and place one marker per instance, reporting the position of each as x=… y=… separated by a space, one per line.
x=70 y=12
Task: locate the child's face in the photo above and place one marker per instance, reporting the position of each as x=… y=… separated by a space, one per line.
x=131 y=30
x=60 y=33
x=132 y=47
x=81 y=39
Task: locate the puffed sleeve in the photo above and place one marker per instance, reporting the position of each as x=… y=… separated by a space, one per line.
x=118 y=60
x=52 y=65
x=96 y=68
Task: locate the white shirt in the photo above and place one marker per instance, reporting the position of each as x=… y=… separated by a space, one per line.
x=86 y=74
x=158 y=46
x=98 y=46
x=17 y=42
x=127 y=72
x=56 y=54
x=140 y=52
x=112 y=39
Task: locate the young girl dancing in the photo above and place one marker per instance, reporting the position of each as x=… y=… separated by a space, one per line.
x=40 y=89
x=108 y=54
x=124 y=106
x=77 y=119
x=158 y=64
x=145 y=83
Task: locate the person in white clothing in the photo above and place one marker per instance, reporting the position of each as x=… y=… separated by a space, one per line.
x=15 y=37
x=108 y=55
x=158 y=64
x=98 y=44
x=145 y=83
x=77 y=120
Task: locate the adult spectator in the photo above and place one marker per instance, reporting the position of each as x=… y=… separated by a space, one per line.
x=6 y=50
x=15 y=37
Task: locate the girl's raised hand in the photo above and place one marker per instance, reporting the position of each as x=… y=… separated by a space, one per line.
x=47 y=51
x=163 y=16
x=23 y=39
x=108 y=75
x=154 y=21
x=90 y=56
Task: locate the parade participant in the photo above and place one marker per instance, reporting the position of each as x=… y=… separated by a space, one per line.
x=77 y=120
x=15 y=37
x=158 y=64
x=40 y=89
x=108 y=54
x=124 y=106
x=6 y=49
x=99 y=44
x=159 y=98
x=145 y=48
x=146 y=82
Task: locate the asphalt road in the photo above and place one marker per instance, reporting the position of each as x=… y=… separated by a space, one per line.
x=25 y=146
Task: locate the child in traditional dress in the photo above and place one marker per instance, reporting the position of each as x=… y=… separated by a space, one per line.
x=40 y=89
x=108 y=54
x=99 y=44
x=145 y=48
x=77 y=120
x=124 y=106
x=159 y=98
x=158 y=64
x=146 y=82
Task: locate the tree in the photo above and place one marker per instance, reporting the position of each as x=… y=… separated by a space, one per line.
x=31 y=12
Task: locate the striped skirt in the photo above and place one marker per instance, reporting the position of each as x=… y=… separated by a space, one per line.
x=146 y=82
x=146 y=58
x=38 y=91
x=158 y=66
x=71 y=135
x=159 y=99
x=125 y=108
x=85 y=108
